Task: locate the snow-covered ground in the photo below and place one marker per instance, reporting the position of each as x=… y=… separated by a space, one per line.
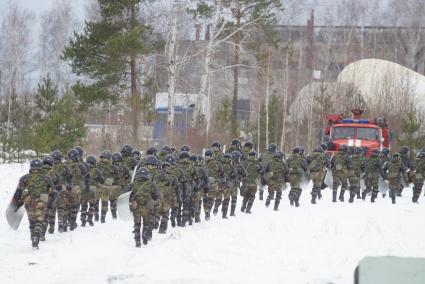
x=310 y=244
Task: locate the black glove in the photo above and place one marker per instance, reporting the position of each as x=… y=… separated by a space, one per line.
x=17 y=196
x=205 y=190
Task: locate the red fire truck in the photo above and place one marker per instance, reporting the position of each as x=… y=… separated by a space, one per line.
x=369 y=134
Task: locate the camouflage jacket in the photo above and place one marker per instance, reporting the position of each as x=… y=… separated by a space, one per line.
x=34 y=184
x=64 y=173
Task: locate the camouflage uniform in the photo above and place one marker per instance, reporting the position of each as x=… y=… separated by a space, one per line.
x=143 y=193
x=183 y=186
x=215 y=179
x=265 y=158
x=49 y=218
x=354 y=173
x=394 y=172
x=111 y=174
x=418 y=179
x=340 y=162
x=372 y=172
x=88 y=197
x=276 y=171
x=200 y=188
x=119 y=186
x=190 y=175
x=62 y=199
x=34 y=189
x=241 y=174
x=296 y=167
x=316 y=167
x=230 y=180
x=80 y=181
x=170 y=196
x=254 y=171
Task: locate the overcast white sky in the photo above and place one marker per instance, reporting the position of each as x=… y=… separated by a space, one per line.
x=39 y=6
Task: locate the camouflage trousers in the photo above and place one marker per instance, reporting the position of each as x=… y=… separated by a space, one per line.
x=248 y=198
x=62 y=202
x=73 y=205
x=186 y=210
x=210 y=198
x=196 y=205
x=35 y=208
x=163 y=211
x=339 y=178
x=317 y=178
x=219 y=198
x=354 y=181
x=229 y=192
x=109 y=193
x=417 y=189
x=394 y=184
x=372 y=185
x=141 y=214
x=49 y=218
x=275 y=187
x=87 y=201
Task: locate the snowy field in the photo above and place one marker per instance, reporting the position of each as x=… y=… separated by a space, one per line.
x=310 y=244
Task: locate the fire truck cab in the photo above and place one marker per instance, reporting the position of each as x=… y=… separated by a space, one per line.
x=356 y=132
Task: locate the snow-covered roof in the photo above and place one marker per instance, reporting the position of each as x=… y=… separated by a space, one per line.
x=375 y=76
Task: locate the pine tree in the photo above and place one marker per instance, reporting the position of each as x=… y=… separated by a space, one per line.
x=106 y=52
x=46 y=97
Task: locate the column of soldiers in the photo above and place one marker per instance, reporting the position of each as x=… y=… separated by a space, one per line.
x=171 y=186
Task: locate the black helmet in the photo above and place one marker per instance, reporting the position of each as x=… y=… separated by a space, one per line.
x=296 y=150
x=324 y=146
x=396 y=155
x=200 y=159
x=105 y=154
x=236 y=155
x=142 y=173
x=36 y=164
x=151 y=160
x=151 y=151
x=165 y=164
x=248 y=144
x=359 y=151
x=48 y=161
x=184 y=155
x=318 y=149
x=385 y=151
x=236 y=142
x=80 y=151
x=73 y=155
x=166 y=149
x=193 y=158
x=136 y=153
x=127 y=150
x=404 y=150
x=185 y=148
x=271 y=147
x=57 y=155
x=116 y=157
x=301 y=149
x=421 y=155
x=343 y=148
x=170 y=159
x=278 y=155
x=209 y=153
x=173 y=150
x=252 y=153
x=91 y=160
x=227 y=156
x=216 y=144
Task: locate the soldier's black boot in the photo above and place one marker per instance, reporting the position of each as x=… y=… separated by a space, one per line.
x=232 y=210
x=83 y=223
x=215 y=211
x=268 y=199
x=374 y=195
x=244 y=203
x=163 y=226
x=173 y=222
x=102 y=219
x=364 y=194
x=352 y=195
x=224 y=214
x=319 y=193
x=114 y=214
x=207 y=215
x=51 y=229
x=358 y=194
x=261 y=194
x=138 y=243
x=197 y=219
x=276 y=204
x=334 y=193
x=96 y=217
x=249 y=206
x=34 y=240
x=341 y=195
x=314 y=195
x=60 y=228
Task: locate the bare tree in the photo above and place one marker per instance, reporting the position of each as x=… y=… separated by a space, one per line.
x=57 y=26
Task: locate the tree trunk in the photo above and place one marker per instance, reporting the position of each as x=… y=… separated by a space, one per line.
x=203 y=91
x=134 y=96
x=236 y=72
x=172 y=70
x=285 y=102
x=267 y=97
